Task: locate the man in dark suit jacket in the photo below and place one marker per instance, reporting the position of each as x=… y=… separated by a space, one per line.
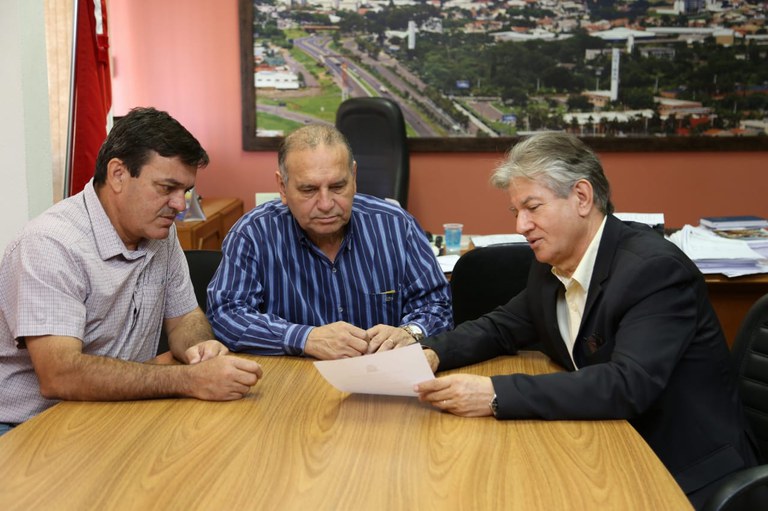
x=623 y=310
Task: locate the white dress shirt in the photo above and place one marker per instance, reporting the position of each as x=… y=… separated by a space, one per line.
x=572 y=299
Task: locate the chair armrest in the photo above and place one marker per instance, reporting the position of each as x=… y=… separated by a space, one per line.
x=735 y=485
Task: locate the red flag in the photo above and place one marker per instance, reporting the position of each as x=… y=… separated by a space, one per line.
x=92 y=92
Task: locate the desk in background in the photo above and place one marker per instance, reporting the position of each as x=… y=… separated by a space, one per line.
x=295 y=442
x=732 y=298
x=220 y=215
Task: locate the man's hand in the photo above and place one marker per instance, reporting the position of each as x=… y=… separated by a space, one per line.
x=165 y=358
x=203 y=351
x=222 y=378
x=337 y=340
x=467 y=395
x=65 y=372
x=385 y=338
x=432 y=359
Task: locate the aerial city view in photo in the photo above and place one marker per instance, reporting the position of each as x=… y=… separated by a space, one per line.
x=498 y=68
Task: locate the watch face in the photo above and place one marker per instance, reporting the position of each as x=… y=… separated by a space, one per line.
x=414 y=331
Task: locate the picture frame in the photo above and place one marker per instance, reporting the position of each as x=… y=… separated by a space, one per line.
x=252 y=142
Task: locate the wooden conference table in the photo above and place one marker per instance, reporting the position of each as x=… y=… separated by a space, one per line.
x=295 y=442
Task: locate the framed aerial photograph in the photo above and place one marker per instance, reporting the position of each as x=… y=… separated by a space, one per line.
x=625 y=75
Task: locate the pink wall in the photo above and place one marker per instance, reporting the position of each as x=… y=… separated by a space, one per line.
x=684 y=186
x=183 y=56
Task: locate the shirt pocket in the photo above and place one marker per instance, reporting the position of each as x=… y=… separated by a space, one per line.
x=147 y=321
x=381 y=301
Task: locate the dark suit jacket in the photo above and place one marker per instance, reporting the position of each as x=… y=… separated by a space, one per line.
x=650 y=350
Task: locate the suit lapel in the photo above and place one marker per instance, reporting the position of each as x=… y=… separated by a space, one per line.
x=549 y=290
x=550 y=286
x=603 y=262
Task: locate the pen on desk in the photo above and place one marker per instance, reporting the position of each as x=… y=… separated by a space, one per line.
x=390 y=292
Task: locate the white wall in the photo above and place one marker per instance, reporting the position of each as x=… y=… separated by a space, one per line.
x=25 y=144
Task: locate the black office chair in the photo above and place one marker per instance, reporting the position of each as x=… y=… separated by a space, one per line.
x=202 y=265
x=748 y=489
x=487 y=277
x=730 y=494
x=375 y=129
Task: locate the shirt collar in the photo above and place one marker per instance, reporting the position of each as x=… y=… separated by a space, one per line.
x=583 y=273
x=108 y=242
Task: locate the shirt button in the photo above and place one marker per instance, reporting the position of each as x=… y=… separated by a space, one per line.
x=333 y=270
x=341 y=309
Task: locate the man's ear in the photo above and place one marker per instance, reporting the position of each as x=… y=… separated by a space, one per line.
x=280 y=185
x=585 y=195
x=117 y=174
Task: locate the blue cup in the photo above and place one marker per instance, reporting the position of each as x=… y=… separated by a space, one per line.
x=452 y=238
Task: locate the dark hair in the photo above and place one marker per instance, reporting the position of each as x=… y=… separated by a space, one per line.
x=143 y=131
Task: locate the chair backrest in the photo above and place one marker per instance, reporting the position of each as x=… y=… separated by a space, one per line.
x=487 y=277
x=375 y=129
x=749 y=355
x=748 y=489
x=202 y=266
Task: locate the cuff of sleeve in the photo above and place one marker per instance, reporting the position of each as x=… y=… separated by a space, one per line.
x=296 y=339
x=502 y=408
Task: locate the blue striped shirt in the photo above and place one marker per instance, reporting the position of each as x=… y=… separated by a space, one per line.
x=274 y=285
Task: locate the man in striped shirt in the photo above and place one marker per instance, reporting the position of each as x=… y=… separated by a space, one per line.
x=325 y=272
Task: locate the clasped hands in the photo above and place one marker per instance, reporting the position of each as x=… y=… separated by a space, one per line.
x=216 y=376
x=343 y=340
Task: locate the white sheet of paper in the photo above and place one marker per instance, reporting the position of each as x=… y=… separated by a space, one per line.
x=497 y=239
x=447 y=262
x=643 y=218
x=391 y=373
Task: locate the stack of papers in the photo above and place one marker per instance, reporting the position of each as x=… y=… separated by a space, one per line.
x=756 y=238
x=715 y=254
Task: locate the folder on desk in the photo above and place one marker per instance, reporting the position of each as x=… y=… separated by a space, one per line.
x=734 y=222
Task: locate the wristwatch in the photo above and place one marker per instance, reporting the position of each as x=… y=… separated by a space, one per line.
x=494 y=404
x=414 y=331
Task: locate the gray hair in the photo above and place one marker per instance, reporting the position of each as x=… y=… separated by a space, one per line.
x=556 y=160
x=310 y=137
